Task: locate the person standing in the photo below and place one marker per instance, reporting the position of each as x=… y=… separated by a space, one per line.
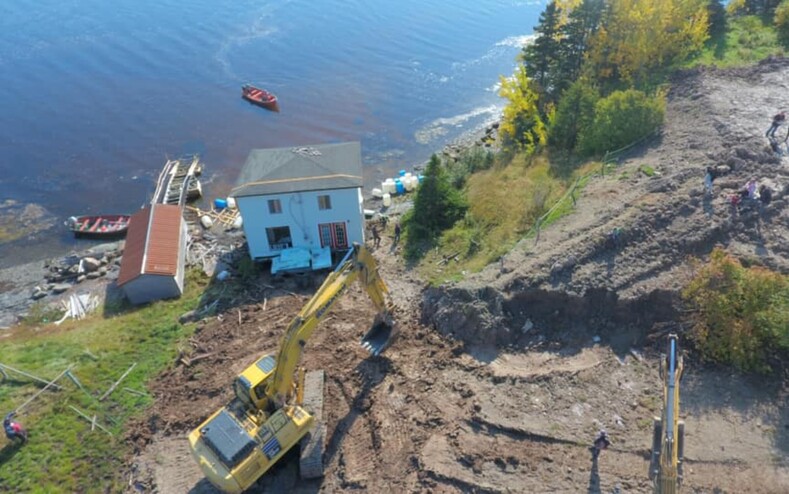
x=778 y=120
x=376 y=236
x=602 y=442
x=708 y=179
x=397 y=232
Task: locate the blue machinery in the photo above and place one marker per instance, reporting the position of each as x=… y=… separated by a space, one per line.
x=668 y=437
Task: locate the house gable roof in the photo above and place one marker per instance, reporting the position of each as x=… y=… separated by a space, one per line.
x=152 y=243
x=299 y=169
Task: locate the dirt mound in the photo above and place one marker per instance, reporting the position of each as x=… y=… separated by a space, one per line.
x=575 y=274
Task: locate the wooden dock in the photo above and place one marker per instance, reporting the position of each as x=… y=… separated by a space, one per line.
x=178 y=181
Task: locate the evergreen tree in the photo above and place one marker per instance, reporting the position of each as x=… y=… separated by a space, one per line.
x=716 y=12
x=582 y=23
x=540 y=57
x=575 y=112
x=437 y=205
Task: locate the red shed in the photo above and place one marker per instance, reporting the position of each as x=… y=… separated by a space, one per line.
x=152 y=267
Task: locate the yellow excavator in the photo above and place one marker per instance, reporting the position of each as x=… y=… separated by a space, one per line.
x=275 y=407
x=668 y=435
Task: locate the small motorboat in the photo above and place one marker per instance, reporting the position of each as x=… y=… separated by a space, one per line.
x=260 y=97
x=99 y=226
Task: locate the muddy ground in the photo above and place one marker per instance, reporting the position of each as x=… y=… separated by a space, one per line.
x=500 y=382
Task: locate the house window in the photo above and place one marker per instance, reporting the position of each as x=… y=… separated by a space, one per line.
x=324 y=202
x=274 y=206
x=279 y=237
x=333 y=235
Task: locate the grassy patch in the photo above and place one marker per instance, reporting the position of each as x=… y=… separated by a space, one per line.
x=504 y=203
x=748 y=40
x=63 y=454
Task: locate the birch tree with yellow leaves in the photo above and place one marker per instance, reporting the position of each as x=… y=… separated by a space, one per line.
x=642 y=38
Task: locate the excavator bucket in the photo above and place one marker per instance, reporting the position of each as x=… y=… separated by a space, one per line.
x=380 y=335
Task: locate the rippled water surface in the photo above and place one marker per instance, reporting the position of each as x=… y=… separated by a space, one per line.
x=96 y=94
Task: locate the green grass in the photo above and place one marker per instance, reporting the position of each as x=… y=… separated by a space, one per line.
x=63 y=454
x=504 y=203
x=747 y=40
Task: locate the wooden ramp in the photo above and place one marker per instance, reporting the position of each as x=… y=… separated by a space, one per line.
x=178 y=181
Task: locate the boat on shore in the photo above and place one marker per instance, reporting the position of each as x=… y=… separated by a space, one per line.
x=260 y=97
x=99 y=226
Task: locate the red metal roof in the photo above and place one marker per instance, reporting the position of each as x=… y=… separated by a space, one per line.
x=153 y=243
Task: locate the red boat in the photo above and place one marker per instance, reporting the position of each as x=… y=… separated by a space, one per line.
x=260 y=97
x=107 y=225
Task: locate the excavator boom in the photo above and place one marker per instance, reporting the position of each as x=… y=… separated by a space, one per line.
x=273 y=409
x=665 y=468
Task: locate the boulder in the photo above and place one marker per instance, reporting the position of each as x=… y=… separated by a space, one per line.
x=38 y=293
x=90 y=264
x=93 y=275
x=81 y=278
x=60 y=288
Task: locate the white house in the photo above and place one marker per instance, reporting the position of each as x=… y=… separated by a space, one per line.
x=301 y=197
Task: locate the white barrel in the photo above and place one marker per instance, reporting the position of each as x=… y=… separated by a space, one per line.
x=206 y=221
x=378 y=193
x=408 y=182
x=387 y=199
x=238 y=222
x=389 y=186
x=231 y=202
x=408 y=174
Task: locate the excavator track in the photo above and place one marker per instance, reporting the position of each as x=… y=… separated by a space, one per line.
x=314 y=443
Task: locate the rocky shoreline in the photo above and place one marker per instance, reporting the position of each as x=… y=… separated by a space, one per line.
x=47 y=281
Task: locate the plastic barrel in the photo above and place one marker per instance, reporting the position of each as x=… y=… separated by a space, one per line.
x=231 y=203
x=401 y=173
x=420 y=178
x=387 y=200
x=220 y=203
x=379 y=193
x=400 y=187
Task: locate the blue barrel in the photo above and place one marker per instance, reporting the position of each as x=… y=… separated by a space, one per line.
x=220 y=203
x=421 y=177
x=402 y=173
x=399 y=187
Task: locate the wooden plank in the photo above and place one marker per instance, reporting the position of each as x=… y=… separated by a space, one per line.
x=112 y=388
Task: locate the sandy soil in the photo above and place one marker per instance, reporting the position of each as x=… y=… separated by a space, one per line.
x=499 y=383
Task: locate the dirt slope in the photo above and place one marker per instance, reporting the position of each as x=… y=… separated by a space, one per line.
x=498 y=383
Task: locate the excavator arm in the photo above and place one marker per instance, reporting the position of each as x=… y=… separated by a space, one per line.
x=665 y=468
x=358 y=264
x=240 y=442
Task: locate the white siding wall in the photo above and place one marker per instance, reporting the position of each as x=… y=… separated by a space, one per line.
x=300 y=212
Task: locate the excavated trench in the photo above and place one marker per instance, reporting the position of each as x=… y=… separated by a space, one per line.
x=489 y=317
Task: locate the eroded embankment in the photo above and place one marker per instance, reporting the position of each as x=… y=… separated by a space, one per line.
x=490 y=317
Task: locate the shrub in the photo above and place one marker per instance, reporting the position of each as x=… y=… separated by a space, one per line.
x=620 y=119
x=470 y=161
x=782 y=22
x=743 y=313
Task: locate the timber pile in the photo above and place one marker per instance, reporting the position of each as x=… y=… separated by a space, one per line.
x=226 y=217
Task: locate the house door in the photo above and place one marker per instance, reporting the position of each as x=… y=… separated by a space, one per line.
x=333 y=235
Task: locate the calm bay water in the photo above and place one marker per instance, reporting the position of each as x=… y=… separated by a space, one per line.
x=96 y=94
